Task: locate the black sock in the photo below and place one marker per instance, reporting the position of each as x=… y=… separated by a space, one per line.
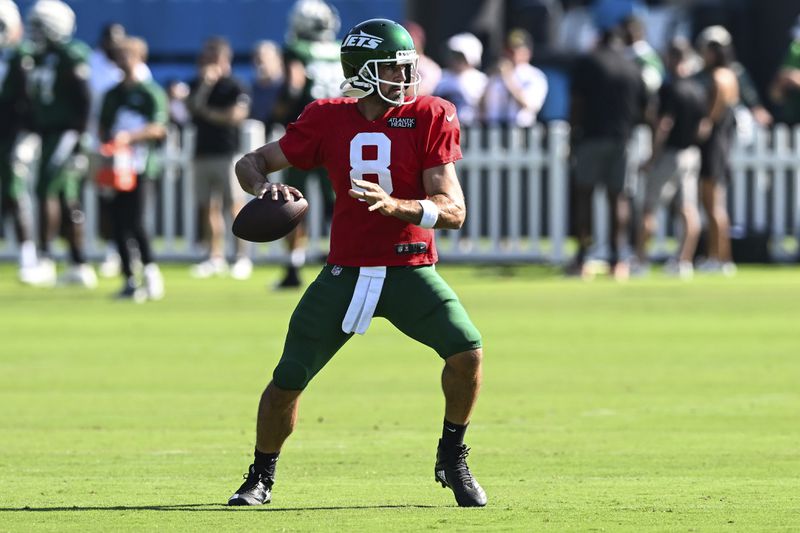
x=265 y=463
x=453 y=434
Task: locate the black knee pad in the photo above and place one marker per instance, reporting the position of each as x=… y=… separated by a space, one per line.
x=290 y=375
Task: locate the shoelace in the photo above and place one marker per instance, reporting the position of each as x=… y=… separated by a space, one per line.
x=460 y=467
x=256 y=479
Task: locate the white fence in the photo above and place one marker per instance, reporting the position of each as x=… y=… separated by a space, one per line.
x=516 y=185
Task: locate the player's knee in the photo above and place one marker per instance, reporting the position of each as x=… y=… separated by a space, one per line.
x=468 y=362
x=290 y=375
x=278 y=397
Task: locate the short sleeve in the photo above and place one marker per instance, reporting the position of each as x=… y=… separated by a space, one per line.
x=159 y=113
x=444 y=138
x=302 y=142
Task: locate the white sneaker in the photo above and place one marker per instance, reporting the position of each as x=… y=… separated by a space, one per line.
x=153 y=282
x=82 y=275
x=110 y=267
x=710 y=266
x=242 y=269
x=42 y=275
x=216 y=266
x=728 y=269
x=35 y=275
x=680 y=269
x=639 y=269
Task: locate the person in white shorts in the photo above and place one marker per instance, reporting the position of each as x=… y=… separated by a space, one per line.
x=674 y=167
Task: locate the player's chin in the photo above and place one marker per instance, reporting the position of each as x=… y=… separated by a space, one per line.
x=397 y=97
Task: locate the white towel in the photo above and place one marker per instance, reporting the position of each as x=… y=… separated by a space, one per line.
x=365 y=300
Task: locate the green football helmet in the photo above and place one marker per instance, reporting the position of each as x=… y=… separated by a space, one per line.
x=371 y=43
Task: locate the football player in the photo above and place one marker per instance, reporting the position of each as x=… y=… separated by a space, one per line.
x=57 y=75
x=313 y=70
x=14 y=201
x=390 y=158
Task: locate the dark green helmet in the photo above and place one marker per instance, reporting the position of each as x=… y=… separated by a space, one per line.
x=367 y=45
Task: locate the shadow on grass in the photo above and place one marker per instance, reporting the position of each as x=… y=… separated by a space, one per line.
x=206 y=507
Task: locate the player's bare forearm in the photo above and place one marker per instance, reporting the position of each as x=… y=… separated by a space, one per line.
x=441 y=186
x=253 y=168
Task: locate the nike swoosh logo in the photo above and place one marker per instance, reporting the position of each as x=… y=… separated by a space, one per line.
x=450 y=117
x=451 y=430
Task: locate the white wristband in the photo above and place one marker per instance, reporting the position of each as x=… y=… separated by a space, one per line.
x=430 y=214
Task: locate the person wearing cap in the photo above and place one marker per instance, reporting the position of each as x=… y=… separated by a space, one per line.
x=516 y=90
x=785 y=88
x=718 y=130
x=462 y=83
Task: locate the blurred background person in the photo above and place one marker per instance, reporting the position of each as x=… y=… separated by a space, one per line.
x=103 y=75
x=673 y=169
x=607 y=97
x=177 y=95
x=462 y=83
x=429 y=70
x=642 y=53
x=134 y=115
x=267 y=82
x=313 y=70
x=785 y=88
x=718 y=132
x=58 y=85
x=14 y=200
x=219 y=104
x=516 y=90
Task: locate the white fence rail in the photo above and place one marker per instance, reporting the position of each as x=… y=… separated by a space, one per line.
x=516 y=183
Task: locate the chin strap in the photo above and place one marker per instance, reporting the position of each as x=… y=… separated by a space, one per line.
x=354 y=88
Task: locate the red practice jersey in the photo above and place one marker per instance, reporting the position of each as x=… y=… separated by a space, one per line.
x=392 y=151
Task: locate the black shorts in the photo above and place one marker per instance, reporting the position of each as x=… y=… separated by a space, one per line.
x=715 y=152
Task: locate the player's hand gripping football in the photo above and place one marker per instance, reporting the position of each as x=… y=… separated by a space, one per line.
x=290 y=194
x=372 y=193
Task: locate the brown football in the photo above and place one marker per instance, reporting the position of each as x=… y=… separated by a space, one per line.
x=265 y=219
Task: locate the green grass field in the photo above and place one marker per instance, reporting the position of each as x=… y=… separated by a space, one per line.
x=654 y=405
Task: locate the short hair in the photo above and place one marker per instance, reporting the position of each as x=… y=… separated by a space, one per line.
x=137 y=45
x=680 y=49
x=271 y=45
x=518 y=37
x=218 y=45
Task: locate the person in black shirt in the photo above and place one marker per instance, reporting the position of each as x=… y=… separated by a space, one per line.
x=674 y=166
x=608 y=96
x=219 y=104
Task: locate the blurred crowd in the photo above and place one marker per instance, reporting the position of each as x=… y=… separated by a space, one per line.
x=98 y=112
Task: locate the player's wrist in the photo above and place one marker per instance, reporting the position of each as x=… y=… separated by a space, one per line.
x=430 y=214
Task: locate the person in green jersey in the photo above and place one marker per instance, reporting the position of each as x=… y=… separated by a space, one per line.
x=57 y=75
x=313 y=71
x=134 y=115
x=785 y=89
x=14 y=201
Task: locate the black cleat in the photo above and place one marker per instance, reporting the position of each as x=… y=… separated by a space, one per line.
x=256 y=489
x=452 y=471
x=290 y=281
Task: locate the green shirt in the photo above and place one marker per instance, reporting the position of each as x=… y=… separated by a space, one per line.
x=12 y=92
x=323 y=67
x=57 y=85
x=791 y=106
x=130 y=108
